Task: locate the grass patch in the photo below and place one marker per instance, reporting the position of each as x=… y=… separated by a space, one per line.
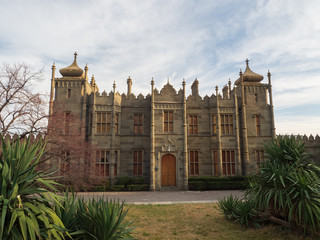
x=196 y=221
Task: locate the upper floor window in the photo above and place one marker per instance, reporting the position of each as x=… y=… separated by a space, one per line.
x=137 y=123
x=116 y=123
x=168 y=121
x=214 y=124
x=257 y=117
x=256 y=97
x=193 y=163
x=193 y=124
x=69 y=93
x=226 y=124
x=103 y=123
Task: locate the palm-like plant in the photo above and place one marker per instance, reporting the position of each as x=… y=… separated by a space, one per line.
x=25 y=204
x=288 y=185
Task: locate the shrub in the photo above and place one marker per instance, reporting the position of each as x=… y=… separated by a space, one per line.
x=117 y=188
x=135 y=187
x=218 y=183
x=131 y=180
x=25 y=201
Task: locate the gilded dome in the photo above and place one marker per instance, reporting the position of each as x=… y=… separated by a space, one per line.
x=249 y=75
x=73 y=70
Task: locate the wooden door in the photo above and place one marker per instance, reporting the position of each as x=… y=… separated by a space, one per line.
x=168 y=170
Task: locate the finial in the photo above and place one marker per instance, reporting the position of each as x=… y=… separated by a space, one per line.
x=229 y=82
x=86 y=67
x=152 y=81
x=269 y=74
x=247 y=62
x=75 y=55
x=53 y=65
x=217 y=88
x=129 y=78
x=240 y=73
x=183 y=81
x=168 y=81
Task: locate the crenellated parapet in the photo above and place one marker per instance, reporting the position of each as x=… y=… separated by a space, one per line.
x=14 y=137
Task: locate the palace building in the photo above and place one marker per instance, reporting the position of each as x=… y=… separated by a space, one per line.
x=166 y=136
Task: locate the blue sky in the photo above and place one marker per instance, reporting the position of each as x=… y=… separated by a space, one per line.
x=208 y=40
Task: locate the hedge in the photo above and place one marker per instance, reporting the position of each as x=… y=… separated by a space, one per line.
x=218 y=183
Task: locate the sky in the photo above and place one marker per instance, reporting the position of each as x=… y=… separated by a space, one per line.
x=176 y=39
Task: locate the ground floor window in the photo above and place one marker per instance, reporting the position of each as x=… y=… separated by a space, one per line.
x=137 y=163
x=228 y=163
x=102 y=163
x=259 y=155
x=215 y=163
x=193 y=163
x=64 y=163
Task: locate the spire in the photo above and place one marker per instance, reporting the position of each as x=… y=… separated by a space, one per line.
x=75 y=55
x=86 y=71
x=247 y=62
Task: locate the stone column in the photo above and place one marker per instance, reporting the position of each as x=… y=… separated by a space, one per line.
x=238 y=153
x=52 y=90
x=185 y=140
x=152 y=157
x=113 y=135
x=245 y=150
x=273 y=128
x=219 y=152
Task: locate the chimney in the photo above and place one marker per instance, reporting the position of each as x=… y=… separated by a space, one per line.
x=129 y=82
x=195 y=88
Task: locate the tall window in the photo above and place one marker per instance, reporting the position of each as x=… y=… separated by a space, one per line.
x=137 y=163
x=65 y=163
x=137 y=122
x=215 y=163
x=258 y=125
x=193 y=124
x=256 y=97
x=115 y=169
x=259 y=154
x=116 y=123
x=67 y=123
x=69 y=93
x=214 y=124
x=226 y=124
x=103 y=123
x=228 y=163
x=168 y=121
x=102 y=163
x=194 y=163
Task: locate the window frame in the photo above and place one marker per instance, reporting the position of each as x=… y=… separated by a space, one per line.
x=228 y=160
x=194 y=163
x=104 y=165
x=226 y=127
x=167 y=123
x=138 y=124
x=137 y=162
x=192 y=125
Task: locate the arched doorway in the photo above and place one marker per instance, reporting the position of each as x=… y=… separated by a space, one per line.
x=168 y=170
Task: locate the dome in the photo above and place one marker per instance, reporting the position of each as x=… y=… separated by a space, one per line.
x=249 y=76
x=73 y=70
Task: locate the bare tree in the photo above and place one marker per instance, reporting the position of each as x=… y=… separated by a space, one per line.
x=22 y=111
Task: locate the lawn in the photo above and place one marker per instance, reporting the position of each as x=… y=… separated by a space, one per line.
x=196 y=221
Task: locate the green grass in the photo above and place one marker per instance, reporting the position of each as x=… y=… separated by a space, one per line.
x=197 y=221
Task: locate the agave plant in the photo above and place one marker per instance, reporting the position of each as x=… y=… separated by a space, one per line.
x=25 y=204
x=103 y=219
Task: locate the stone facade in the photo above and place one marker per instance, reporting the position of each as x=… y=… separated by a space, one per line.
x=167 y=136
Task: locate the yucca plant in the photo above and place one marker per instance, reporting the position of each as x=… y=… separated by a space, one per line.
x=25 y=204
x=288 y=185
x=103 y=219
